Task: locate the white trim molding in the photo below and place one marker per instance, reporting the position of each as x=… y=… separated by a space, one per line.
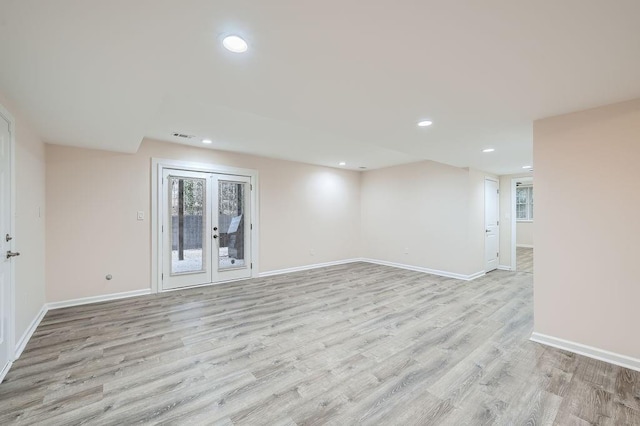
x=5 y=370
x=588 y=351
x=445 y=274
x=308 y=267
x=504 y=267
x=524 y=245
x=376 y=262
x=96 y=299
x=26 y=336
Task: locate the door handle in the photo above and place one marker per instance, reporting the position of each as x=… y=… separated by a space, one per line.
x=11 y=254
x=487 y=230
x=215 y=236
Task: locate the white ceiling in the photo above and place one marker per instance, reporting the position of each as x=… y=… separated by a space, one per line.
x=323 y=81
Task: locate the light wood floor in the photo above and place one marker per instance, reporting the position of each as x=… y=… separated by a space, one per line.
x=524 y=259
x=352 y=344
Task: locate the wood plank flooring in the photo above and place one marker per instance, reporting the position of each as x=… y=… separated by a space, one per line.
x=524 y=259
x=351 y=344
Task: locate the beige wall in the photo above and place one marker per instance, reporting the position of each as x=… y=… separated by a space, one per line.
x=433 y=210
x=587 y=280
x=424 y=214
x=524 y=234
x=93 y=197
x=29 y=222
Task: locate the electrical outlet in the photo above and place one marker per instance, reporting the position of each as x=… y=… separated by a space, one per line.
x=140 y=215
x=406 y=250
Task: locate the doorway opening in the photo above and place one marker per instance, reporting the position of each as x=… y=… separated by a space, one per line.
x=522 y=201
x=206 y=221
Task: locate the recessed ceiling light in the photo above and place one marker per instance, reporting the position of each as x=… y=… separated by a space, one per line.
x=207 y=141
x=235 y=44
x=526 y=167
x=342 y=163
x=488 y=150
x=424 y=123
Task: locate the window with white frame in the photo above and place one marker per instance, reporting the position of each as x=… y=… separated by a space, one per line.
x=524 y=202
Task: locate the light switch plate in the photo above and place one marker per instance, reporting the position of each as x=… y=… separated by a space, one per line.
x=140 y=215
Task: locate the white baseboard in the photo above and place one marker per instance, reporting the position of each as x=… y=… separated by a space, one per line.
x=167 y=290
x=588 y=351
x=5 y=370
x=446 y=274
x=95 y=299
x=377 y=262
x=524 y=245
x=504 y=267
x=22 y=343
x=307 y=267
x=471 y=276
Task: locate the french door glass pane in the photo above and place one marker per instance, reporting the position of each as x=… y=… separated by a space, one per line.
x=187 y=204
x=231 y=217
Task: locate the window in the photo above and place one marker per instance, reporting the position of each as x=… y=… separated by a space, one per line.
x=524 y=203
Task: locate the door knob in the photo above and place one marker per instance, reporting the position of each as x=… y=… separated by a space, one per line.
x=487 y=230
x=11 y=254
x=215 y=236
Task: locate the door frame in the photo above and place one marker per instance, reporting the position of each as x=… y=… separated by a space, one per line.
x=484 y=222
x=514 y=221
x=157 y=168
x=11 y=317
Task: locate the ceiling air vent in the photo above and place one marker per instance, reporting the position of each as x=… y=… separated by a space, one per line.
x=183 y=135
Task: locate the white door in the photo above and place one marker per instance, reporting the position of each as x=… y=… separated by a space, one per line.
x=6 y=314
x=186 y=235
x=231 y=227
x=491 y=214
x=206 y=231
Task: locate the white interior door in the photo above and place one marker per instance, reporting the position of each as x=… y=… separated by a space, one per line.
x=206 y=228
x=6 y=314
x=491 y=214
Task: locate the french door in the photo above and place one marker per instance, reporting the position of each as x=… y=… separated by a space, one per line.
x=206 y=228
